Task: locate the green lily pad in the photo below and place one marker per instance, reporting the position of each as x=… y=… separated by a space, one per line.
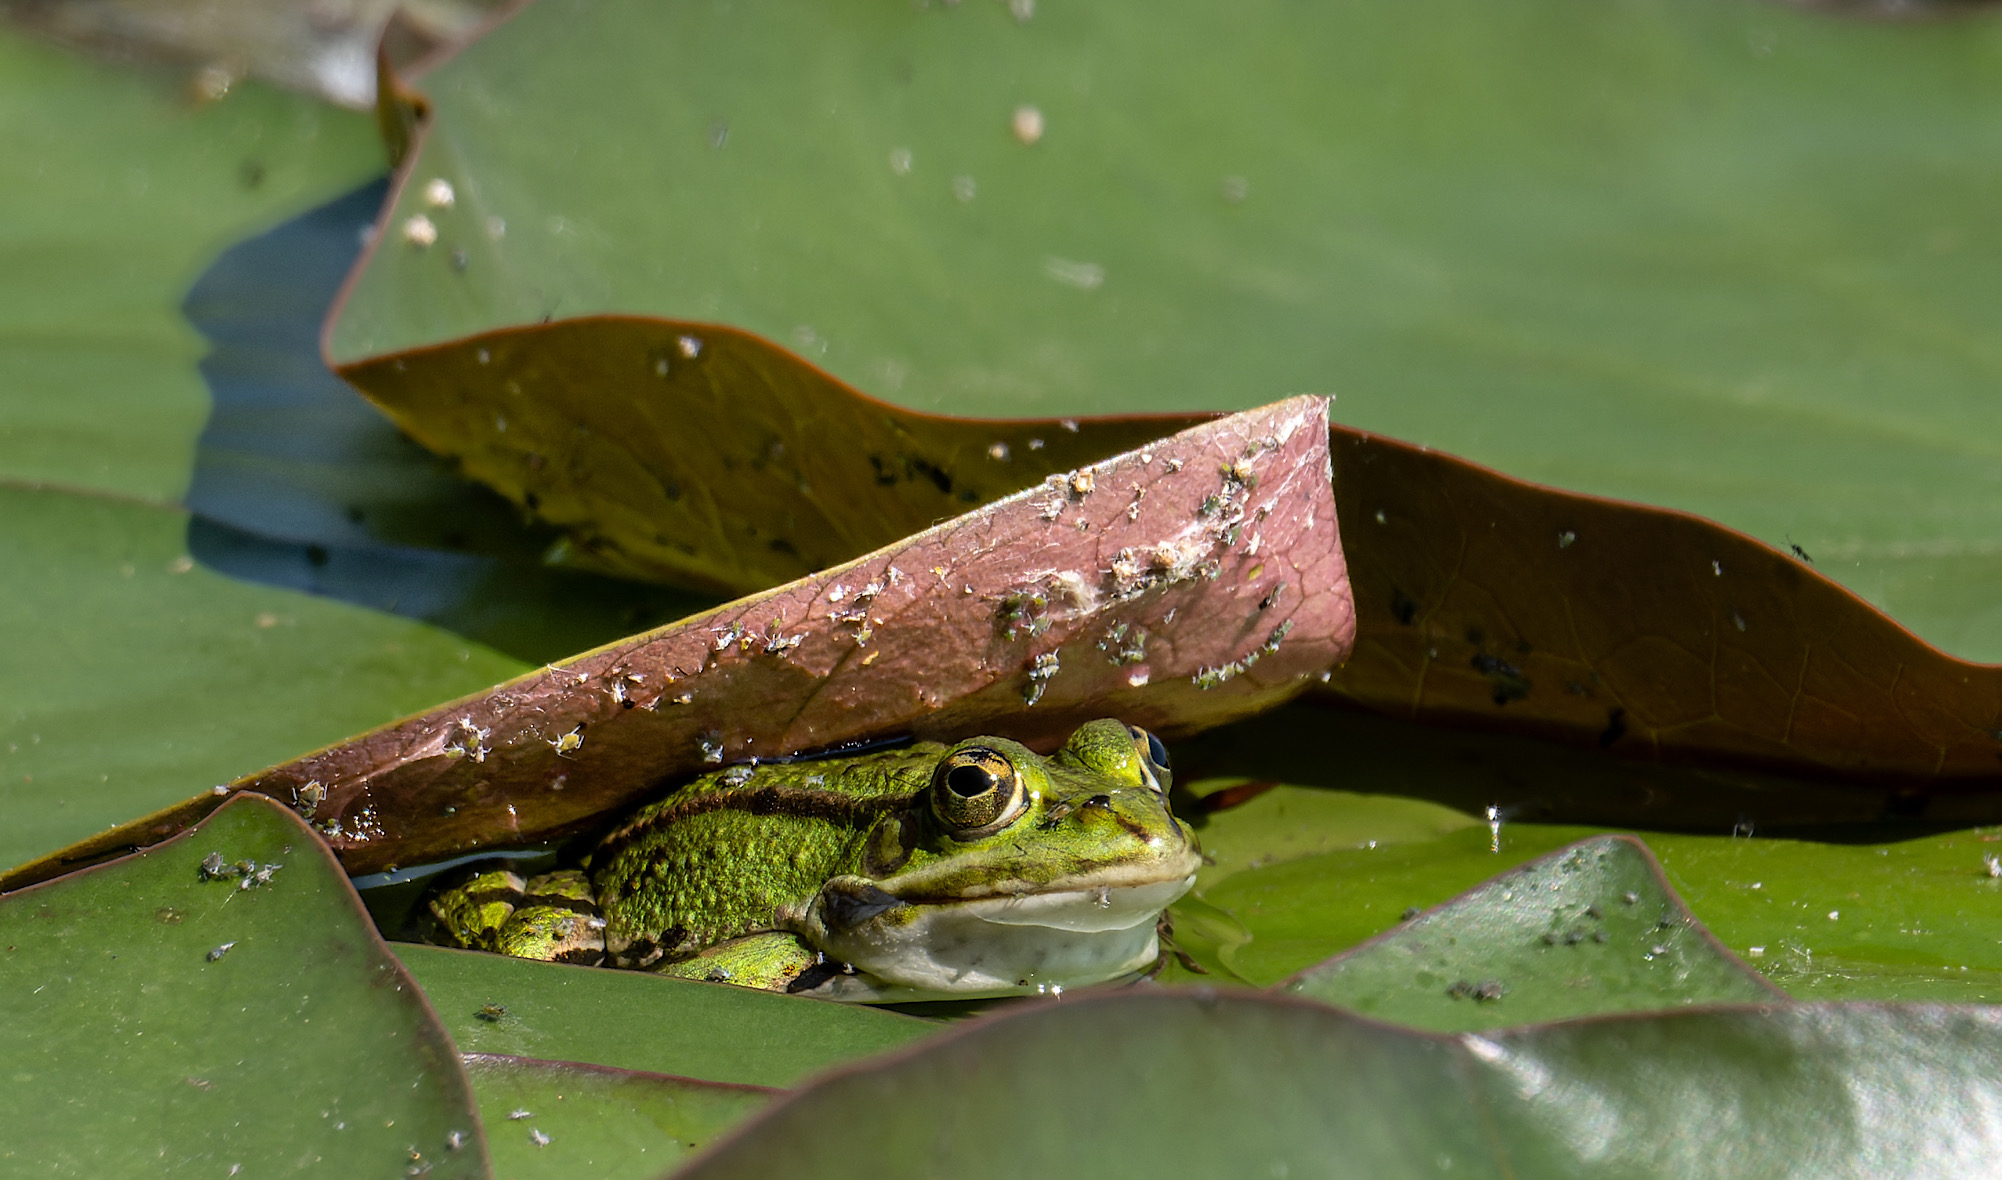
x=160 y=1011
x=1621 y=295
x=1906 y=919
x=1199 y=1083
x=1301 y=873
x=115 y=189
x=633 y=1020
x=1294 y=913
x=562 y=1119
x=300 y=483
x=136 y=677
x=1588 y=929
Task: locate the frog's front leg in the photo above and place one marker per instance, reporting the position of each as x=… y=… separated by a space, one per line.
x=553 y=917
x=773 y=962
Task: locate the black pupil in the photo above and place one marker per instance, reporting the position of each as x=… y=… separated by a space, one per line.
x=968 y=781
x=1157 y=751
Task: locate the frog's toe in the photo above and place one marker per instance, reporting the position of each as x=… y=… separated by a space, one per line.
x=771 y=962
x=472 y=909
x=554 y=933
x=556 y=920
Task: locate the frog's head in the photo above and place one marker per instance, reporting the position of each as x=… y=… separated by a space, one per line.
x=1013 y=872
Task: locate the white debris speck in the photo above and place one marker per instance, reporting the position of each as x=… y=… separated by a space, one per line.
x=1027 y=124
x=900 y=161
x=1085 y=276
x=964 y=187
x=419 y=231
x=438 y=193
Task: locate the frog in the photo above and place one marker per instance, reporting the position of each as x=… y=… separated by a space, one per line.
x=932 y=871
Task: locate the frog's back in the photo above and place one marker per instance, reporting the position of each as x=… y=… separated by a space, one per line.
x=731 y=852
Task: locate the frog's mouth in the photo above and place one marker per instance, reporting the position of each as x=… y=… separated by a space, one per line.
x=1001 y=944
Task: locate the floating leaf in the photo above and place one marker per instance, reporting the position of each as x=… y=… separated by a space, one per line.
x=1621 y=296
x=1179 y=586
x=135 y=675
x=1196 y=1083
x=638 y=1021
x=1498 y=603
x=1587 y=929
x=300 y=483
x=701 y=455
x=114 y=191
x=562 y=1119
x=1486 y=601
x=221 y=1001
x=1896 y=911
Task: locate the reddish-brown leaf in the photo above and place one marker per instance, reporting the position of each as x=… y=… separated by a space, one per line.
x=1195 y=581
x=1475 y=609
x=701 y=455
x=1486 y=601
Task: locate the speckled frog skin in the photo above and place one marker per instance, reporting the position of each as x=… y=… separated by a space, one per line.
x=927 y=872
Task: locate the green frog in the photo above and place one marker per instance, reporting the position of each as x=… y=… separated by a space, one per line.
x=927 y=872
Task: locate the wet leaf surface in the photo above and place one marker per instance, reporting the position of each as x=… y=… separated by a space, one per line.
x=1394 y=822
x=160 y=1011
x=114 y=192
x=1183 y=585
x=1486 y=601
x=699 y=455
x=633 y=1020
x=1489 y=602
x=1656 y=636
x=300 y=483
x=562 y=1119
x=1589 y=929
x=135 y=676
x=1199 y=1083
x=1622 y=297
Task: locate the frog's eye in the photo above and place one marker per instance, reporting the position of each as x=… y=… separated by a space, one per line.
x=975 y=792
x=1153 y=759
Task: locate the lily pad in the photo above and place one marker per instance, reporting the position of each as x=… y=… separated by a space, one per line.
x=1304 y=872
x=636 y=1021
x=1588 y=929
x=594 y=425
x=562 y=1119
x=136 y=675
x=300 y=483
x=115 y=189
x=1202 y=1083
x=1621 y=296
x=1179 y=586
x=1489 y=602
x=221 y=1002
